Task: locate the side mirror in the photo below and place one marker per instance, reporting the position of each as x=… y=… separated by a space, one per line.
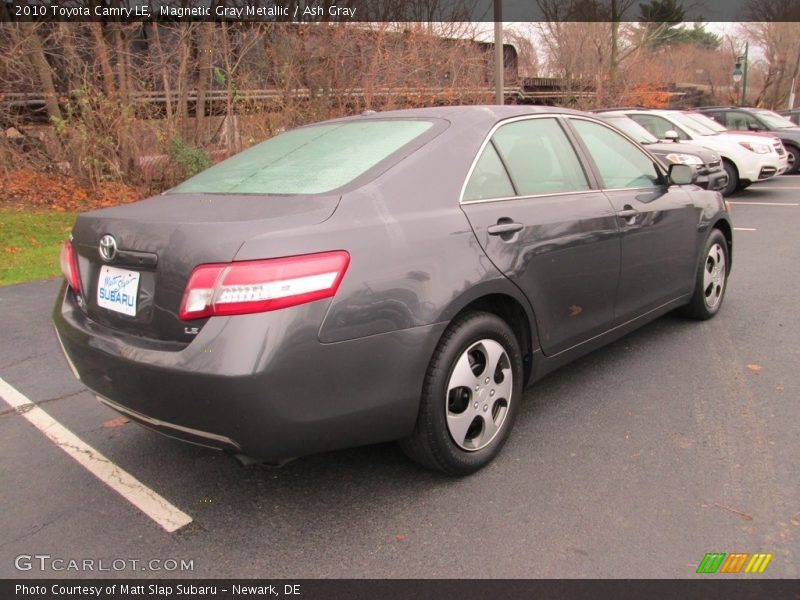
x=671 y=134
x=682 y=174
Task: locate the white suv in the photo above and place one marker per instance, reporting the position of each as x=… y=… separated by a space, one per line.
x=746 y=157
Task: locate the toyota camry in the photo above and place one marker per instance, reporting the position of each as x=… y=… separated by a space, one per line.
x=390 y=276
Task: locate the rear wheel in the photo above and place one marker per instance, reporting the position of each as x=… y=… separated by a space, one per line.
x=711 y=279
x=733 y=178
x=470 y=397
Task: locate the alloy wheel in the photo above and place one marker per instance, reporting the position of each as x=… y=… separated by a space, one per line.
x=714 y=276
x=478 y=395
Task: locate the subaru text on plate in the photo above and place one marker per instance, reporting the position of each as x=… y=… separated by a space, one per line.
x=392 y=276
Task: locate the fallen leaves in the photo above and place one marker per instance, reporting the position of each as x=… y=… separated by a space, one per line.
x=28 y=189
x=755 y=368
x=118 y=422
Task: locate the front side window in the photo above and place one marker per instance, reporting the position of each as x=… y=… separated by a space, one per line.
x=621 y=164
x=632 y=129
x=526 y=158
x=741 y=121
x=706 y=122
x=658 y=126
x=693 y=124
x=309 y=160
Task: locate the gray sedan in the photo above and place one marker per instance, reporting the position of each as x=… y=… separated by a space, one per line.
x=391 y=276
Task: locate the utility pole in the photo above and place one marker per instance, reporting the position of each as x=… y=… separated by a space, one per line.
x=744 y=79
x=740 y=72
x=499 y=97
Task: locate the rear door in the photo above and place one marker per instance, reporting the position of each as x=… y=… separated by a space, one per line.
x=658 y=222
x=538 y=215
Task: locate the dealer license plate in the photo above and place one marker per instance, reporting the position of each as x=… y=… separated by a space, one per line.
x=117 y=290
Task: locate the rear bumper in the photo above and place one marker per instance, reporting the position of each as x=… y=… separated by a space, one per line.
x=260 y=385
x=179 y=432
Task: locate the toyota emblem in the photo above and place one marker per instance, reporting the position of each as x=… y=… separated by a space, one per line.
x=107 y=248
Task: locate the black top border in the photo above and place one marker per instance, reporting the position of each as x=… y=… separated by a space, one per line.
x=385 y=10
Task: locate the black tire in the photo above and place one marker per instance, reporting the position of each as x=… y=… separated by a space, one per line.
x=470 y=336
x=733 y=178
x=793 y=156
x=709 y=291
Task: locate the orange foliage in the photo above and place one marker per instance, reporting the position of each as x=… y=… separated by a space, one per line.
x=29 y=189
x=647 y=96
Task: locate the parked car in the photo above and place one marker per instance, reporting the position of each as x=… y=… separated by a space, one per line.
x=793 y=115
x=746 y=158
x=393 y=276
x=740 y=118
x=706 y=163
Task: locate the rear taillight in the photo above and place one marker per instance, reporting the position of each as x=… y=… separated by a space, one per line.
x=69 y=266
x=262 y=285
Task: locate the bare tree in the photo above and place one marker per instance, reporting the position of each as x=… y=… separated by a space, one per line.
x=779 y=43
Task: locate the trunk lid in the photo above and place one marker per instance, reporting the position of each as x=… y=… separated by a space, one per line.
x=159 y=241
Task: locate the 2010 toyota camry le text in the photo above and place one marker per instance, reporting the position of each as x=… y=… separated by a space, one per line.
x=390 y=276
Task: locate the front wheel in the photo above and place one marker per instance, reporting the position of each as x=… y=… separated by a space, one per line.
x=711 y=279
x=733 y=179
x=792 y=157
x=470 y=398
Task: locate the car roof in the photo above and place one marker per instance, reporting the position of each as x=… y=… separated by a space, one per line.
x=467 y=113
x=638 y=109
x=622 y=112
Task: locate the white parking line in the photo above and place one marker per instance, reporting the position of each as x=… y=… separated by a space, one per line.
x=744 y=229
x=764 y=203
x=134 y=491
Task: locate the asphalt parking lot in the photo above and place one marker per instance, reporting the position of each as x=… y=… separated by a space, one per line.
x=678 y=440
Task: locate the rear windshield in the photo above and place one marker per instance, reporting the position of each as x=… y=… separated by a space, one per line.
x=309 y=160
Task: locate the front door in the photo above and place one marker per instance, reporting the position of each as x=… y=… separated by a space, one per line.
x=658 y=222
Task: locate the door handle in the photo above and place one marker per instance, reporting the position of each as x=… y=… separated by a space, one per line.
x=628 y=213
x=504 y=227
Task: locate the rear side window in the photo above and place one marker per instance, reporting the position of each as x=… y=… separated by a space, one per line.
x=489 y=179
x=526 y=158
x=310 y=160
x=539 y=157
x=620 y=163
